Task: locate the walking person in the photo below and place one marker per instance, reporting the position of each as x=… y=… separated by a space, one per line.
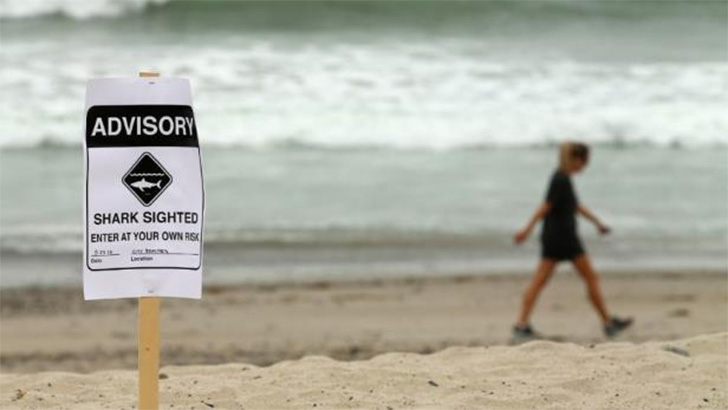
x=560 y=242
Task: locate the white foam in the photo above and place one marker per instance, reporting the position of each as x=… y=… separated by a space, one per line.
x=413 y=95
x=76 y=9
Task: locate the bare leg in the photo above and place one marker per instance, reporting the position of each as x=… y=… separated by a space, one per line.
x=583 y=266
x=543 y=273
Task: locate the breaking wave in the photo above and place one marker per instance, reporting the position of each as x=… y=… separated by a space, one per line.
x=384 y=75
x=75 y=9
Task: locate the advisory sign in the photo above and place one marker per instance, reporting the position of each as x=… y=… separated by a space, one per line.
x=144 y=202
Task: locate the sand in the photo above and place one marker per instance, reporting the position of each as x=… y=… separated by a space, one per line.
x=689 y=373
x=49 y=338
x=54 y=330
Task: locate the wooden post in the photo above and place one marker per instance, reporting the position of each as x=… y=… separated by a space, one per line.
x=148 y=340
x=148 y=353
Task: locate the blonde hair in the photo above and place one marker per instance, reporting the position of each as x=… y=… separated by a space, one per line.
x=571 y=151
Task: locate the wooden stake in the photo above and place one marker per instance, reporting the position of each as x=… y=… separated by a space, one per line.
x=149 y=74
x=148 y=343
x=149 y=353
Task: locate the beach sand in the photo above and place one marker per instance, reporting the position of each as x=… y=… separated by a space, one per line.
x=689 y=373
x=53 y=330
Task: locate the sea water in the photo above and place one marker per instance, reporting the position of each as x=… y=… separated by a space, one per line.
x=357 y=139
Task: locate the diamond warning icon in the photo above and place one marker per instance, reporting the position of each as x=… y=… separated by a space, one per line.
x=147 y=179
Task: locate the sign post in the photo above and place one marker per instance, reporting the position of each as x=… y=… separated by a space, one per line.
x=148 y=347
x=148 y=343
x=144 y=203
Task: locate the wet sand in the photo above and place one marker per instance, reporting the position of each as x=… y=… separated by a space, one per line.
x=55 y=330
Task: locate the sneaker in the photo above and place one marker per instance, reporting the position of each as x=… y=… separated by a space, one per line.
x=523 y=333
x=616 y=325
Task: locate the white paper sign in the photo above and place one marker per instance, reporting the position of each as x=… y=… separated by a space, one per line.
x=144 y=202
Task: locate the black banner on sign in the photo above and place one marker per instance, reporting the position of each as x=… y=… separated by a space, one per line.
x=140 y=125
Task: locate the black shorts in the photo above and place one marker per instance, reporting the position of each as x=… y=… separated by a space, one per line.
x=561 y=248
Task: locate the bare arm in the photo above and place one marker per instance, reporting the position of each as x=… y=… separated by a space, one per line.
x=603 y=229
x=522 y=235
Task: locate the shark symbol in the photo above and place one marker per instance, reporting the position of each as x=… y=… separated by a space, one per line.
x=146 y=179
x=144 y=184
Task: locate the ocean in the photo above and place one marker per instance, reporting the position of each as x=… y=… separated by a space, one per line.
x=372 y=139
